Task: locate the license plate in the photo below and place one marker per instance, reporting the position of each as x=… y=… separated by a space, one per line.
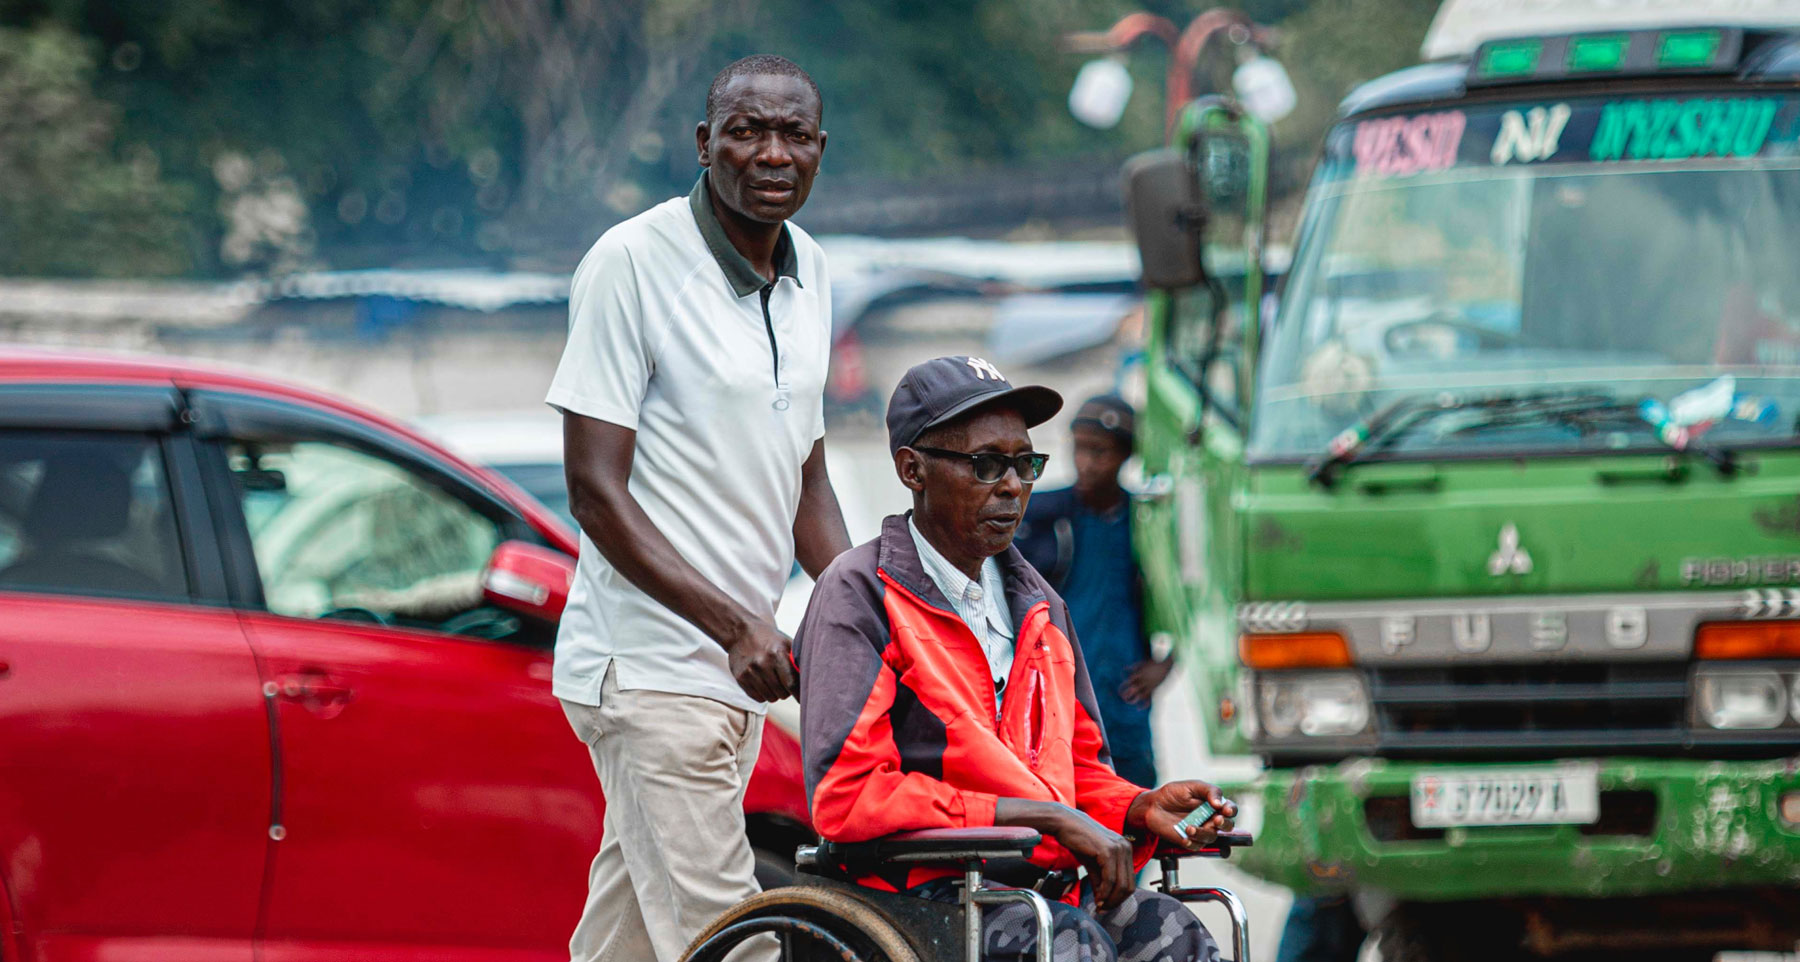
x=1565 y=795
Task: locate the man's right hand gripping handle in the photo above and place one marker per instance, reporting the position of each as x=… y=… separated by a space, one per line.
x=761 y=661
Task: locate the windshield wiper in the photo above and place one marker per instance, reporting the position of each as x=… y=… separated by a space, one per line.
x=1389 y=424
x=1580 y=409
x=1589 y=414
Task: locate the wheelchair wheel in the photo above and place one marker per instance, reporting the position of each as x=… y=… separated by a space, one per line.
x=797 y=914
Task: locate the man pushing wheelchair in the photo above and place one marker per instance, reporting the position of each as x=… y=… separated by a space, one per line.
x=941 y=687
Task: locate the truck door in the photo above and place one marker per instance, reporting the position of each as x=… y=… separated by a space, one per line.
x=135 y=814
x=1203 y=340
x=434 y=802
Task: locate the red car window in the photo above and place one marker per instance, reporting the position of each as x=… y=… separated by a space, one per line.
x=337 y=530
x=87 y=513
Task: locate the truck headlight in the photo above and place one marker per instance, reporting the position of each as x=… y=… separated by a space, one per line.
x=1741 y=699
x=1318 y=705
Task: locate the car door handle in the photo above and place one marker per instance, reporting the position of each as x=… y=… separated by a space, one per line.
x=315 y=691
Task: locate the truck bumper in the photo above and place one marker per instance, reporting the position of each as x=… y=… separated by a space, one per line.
x=1672 y=825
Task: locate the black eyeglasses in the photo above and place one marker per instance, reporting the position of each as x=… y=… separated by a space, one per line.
x=990 y=468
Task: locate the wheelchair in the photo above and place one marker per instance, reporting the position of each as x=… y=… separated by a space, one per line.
x=824 y=917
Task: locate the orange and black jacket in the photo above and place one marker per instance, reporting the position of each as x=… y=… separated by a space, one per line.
x=897 y=707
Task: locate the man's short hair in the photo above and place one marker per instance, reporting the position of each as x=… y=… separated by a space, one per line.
x=759 y=64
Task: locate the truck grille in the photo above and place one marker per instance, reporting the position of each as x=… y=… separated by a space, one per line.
x=1517 y=710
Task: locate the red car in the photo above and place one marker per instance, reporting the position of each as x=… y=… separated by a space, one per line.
x=275 y=683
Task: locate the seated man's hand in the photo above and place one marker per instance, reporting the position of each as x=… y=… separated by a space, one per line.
x=1105 y=854
x=1159 y=809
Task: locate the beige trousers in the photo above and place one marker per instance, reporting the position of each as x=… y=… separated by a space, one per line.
x=673 y=855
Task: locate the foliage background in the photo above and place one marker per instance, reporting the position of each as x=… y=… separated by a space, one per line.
x=223 y=137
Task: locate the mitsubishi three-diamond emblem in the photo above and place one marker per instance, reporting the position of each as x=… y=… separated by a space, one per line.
x=1510 y=559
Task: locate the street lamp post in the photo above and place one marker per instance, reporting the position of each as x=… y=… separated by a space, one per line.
x=1185 y=46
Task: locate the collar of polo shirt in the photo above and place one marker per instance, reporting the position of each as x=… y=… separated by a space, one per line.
x=744 y=278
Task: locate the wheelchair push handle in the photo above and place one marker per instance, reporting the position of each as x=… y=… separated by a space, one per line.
x=1220 y=848
x=1168 y=858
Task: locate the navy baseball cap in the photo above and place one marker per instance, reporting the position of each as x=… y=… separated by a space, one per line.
x=1109 y=413
x=945 y=388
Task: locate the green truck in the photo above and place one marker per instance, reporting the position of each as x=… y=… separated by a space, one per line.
x=1488 y=543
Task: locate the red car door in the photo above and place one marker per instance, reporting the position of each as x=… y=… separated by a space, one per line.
x=434 y=802
x=135 y=761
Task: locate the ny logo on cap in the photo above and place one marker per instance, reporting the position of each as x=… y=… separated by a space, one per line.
x=984 y=370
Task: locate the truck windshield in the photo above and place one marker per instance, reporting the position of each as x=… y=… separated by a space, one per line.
x=1643 y=248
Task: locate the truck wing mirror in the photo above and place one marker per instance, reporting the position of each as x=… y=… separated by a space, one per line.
x=1167 y=214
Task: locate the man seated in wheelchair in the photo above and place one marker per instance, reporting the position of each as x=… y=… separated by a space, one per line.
x=941 y=687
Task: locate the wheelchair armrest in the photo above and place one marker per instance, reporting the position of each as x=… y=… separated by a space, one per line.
x=932 y=845
x=1220 y=848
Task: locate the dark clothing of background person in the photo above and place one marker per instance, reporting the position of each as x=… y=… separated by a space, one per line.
x=1087 y=556
x=1321 y=928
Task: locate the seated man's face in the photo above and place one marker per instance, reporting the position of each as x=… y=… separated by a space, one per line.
x=980 y=517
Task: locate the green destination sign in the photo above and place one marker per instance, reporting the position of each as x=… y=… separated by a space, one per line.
x=1679 y=129
x=1691 y=127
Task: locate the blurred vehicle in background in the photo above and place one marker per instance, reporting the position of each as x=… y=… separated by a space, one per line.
x=526 y=447
x=1489 y=547
x=275 y=682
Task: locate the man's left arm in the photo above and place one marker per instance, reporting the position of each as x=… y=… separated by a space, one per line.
x=1142 y=813
x=819 y=532
x=1099 y=791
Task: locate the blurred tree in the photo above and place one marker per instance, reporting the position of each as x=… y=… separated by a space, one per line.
x=272 y=134
x=444 y=130
x=919 y=88
x=588 y=82
x=73 y=202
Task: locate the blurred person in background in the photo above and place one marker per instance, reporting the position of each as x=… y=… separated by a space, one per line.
x=692 y=397
x=1080 y=538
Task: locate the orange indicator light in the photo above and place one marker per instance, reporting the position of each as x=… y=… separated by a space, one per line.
x=1305 y=649
x=1742 y=640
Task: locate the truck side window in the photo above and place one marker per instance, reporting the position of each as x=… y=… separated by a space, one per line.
x=1190 y=337
x=1211 y=365
x=87 y=513
x=337 y=531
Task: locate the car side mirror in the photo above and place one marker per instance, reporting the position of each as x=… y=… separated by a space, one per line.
x=529 y=580
x=1167 y=214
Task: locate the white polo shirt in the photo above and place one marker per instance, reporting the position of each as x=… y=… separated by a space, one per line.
x=672 y=333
